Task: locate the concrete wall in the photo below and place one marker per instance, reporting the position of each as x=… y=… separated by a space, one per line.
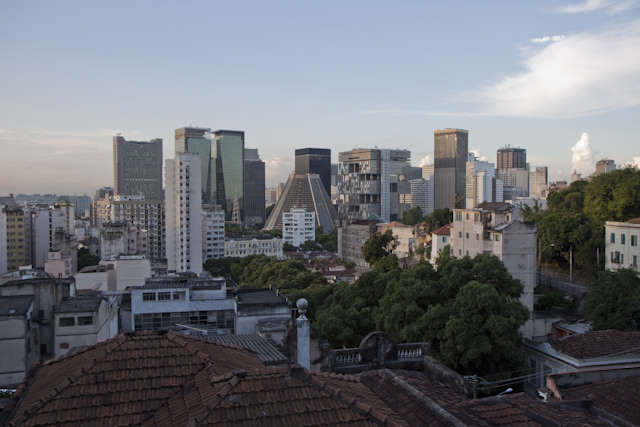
x=19 y=350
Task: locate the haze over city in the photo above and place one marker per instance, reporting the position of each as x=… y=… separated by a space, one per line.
x=558 y=78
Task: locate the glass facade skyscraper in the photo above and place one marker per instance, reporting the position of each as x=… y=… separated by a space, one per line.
x=137 y=168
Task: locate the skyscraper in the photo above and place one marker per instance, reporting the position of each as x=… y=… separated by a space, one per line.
x=511 y=158
x=222 y=156
x=370 y=183
x=315 y=160
x=451 y=152
x=481 y=183
x=183 y=214
x=254 y=188
x=137 y=167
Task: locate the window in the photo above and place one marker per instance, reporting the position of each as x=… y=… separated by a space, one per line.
x=164 y=296
x=634 y=240
x=148 y=296
x=67 y=321
x=613 y=237
x=179 y=295
x=460 y=234
x=497 y=237
x=458 y=216
x=64 y=345
x=622 y=239
x=85 y=320
x=467 y=235
x=467 y=216
x=634 y=260
x=615 y=257
x=476 y=217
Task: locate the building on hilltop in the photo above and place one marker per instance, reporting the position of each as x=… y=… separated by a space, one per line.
x=621 y=244
x=451 y=153
x=499 y=229
x=604 y=166
x=137 y=167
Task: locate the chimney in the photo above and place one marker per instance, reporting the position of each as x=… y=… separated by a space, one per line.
x=303 y=334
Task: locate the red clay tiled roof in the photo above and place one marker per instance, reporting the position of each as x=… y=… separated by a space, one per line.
x=634 y=221
x=276 y=397
x=120 y=381
x=598 y=344
x=445 y=230
x=617 y=397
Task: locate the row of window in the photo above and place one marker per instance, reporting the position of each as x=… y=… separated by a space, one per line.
x=623 y=239
x=618 y=258
x=71 y=321
x=207 y=320
x=164 y=296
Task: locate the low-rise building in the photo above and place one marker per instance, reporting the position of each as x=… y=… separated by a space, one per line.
x=241 y=247
x=122 y=238
x=257 y=307
x=621 y=243
x=404 y=237
x=352 y=235
x=84 y=320
x=18 y=339
x=440 y=238
x=59 y=264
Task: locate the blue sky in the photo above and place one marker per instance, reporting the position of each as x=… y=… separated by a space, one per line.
x=548 y=76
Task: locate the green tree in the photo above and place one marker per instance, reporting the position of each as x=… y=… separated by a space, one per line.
x=379 y=246
x=85 y=259
x=614 y=196
x=412 y=216
x=437 y=219
x=613 y=301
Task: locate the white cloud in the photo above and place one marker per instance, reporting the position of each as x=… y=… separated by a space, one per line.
x=578 y=75
x=636 y=162
x=582 y=159
x=610 y=6
x=277 y=170
x=426 y=160
x=476 y=152
x=547 y=39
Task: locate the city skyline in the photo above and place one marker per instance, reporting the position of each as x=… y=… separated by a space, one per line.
x=559 y=79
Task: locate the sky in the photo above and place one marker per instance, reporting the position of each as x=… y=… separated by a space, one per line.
x=558 y=78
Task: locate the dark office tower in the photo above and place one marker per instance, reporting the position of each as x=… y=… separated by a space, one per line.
x=198 y=141
x=511 y=158
x=137 y=168
x=451 y=152
x=254 y=188
x=315 y=160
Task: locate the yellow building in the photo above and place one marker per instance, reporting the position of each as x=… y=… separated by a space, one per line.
x=16 y=238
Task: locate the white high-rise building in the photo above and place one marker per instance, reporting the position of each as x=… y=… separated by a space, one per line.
x=298 y=226
x=44 y=221
x=183 y=213
x=538 y=183
x=421 y=194
x=480 y=182
x=212 y=232
x=3 y=240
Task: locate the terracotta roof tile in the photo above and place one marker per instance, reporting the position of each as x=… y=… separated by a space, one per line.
x=598 y=344
x=445 y=230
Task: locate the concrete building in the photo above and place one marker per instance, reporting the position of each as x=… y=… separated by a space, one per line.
x=254 y=188
x=515 y=182
x=440 y=238
x=352 y=235
x=298 y=226
x=42 y=224
x=621 y=244
x=122 y=239
x=315 y=160
x=257 y=308
x=499 y=229
x=511 y=158
x=84 y=320
x=451 y=152
x=3 y=240
x=481 y=183
x=271 y=195
x=403 y=235
x=59 y=264
x=539 y=183
x=304 y=192
x=147 y=215
x=604 y=166
x=18 y=339
x=137 y=167
x=212 y=232
x=241 y=247
x=421 y=194
x=16 y=238
x=127 y=271
x=183 y=303
x=370 y=183
x=184 y=213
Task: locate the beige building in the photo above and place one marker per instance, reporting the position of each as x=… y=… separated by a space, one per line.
x=260 y=245
x=352 y=235
x=440 y=238
x=16 y=238
x=621 y=242
x=499 y=229
x=404 y=236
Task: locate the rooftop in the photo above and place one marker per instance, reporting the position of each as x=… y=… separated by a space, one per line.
x=594 y=344
x=15 y=305
x=445 y=230
x=80 y=303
